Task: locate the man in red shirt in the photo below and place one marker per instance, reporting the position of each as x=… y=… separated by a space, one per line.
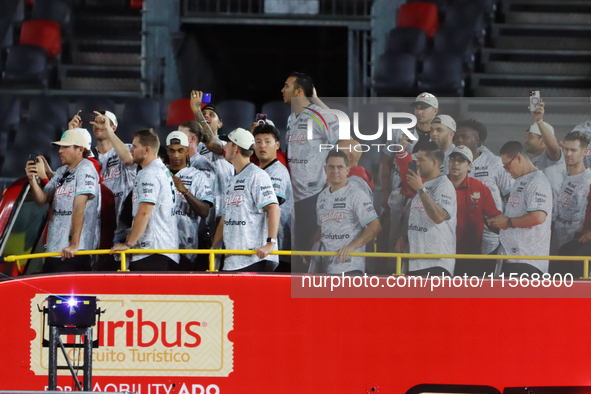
x=475 y=202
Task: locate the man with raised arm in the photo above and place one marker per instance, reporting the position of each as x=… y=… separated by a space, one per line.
x=251 y=214
x=154 y=225
x=74 y=194
x=433 y=215
x=525 y=225
x=305 y=159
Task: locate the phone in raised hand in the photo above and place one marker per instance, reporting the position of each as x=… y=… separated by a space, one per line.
x=534 y=100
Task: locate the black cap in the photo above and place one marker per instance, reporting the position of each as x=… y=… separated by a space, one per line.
x=213 y=108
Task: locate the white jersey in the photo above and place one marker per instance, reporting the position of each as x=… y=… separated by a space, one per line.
x=585 y=128
x=569 y=208
x=488 y=169
x=555 y=171
x=342 y=217
x=222 y=170
x=154 y=185
x=531 y=192
x=64 y=187
x=444 y=168
x=245 y=221
x=199 y=185
x=426 y=237
x=119 y=178
x=306 y=161
x=282 y=187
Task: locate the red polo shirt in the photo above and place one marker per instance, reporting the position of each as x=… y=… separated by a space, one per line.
x=475 y=201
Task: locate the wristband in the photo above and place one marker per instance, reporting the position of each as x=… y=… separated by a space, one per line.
x=509 y=224
x=128 y=245
x=422 y=190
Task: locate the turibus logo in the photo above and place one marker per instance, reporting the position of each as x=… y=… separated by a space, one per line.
x=160 y=335
x=390 y=119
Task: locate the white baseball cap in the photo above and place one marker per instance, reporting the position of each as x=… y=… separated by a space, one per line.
x=464 y=151
x=241 y=137
x=535 y=129
x=112 y=117
x=76 y=137
x=426 y=98
x=177 y=135
x=445 y=120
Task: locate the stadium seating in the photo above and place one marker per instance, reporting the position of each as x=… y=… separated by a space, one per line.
x=53 y=10
x=278 y=112
x=179 y=111
x=89 y=104
x=142 y=111
x=25 y=64
x=411 y=40
x=421 y=15
x=442 y=75
x=467 y=18
x=46 y=34
x=395 y=74
x=454 y=41
x=52 y=111
x=236 y=113
x=10 y=108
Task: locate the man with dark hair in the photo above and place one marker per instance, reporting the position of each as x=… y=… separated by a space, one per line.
x=74 y=194
x=571 y=203
x=487 y=168
x=154 y=226
x=305 y=158
x=358 y=176
x=546 y=155
x=266 y=139
x=432 y=218
x=347 y=220
x=193 y=199
x=117 y=167
x=525 y=225
x=251 y=214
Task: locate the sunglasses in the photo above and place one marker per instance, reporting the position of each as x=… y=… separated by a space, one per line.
x=63 y=179
x=506 y=166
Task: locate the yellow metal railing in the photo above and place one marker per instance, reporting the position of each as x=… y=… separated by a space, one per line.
x=398 y=256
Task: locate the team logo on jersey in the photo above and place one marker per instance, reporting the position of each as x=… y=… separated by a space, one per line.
x=332 y=215
x=513 y=201
x=66 y=190
x=475 y=196
x=564 y=200
x=235 y=199
x=297 y=139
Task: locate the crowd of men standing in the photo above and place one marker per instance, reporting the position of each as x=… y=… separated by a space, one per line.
x=444 y=192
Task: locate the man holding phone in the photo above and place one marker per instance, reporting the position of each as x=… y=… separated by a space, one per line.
x=74 y=194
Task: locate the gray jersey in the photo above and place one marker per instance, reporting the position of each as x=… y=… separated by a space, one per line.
x=426 y=237
x=199 y=185
x=342 y=216
x=531 y=192
x=555 y=171
x=222 y=170
x=246 y=222
x=569 y=208
x=119 y=178
x=64 y=187
x=488 y=169
x=154 y=185
x=282 y=187
x=585 y=128
x=359 y=183
x=306 y=161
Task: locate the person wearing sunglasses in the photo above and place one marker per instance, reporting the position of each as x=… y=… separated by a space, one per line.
x=74 y=194
x=525 y=225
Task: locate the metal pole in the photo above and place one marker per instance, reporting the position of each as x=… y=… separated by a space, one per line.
x=88 y=359
x=52 y=368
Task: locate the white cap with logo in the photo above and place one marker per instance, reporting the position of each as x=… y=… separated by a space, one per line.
x=445 y=120
x=241 y=137
x=535 y=129
x=78 y=137
x=111 y=117
x=426 y=98
x=464 y=151
x=177 y=135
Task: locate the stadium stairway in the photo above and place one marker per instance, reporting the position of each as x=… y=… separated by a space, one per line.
x=105 y=50
x=542 y=45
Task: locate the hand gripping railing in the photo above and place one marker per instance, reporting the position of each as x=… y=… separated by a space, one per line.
x=398 y=256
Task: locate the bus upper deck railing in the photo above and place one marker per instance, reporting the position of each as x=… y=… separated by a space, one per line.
x=398 y=256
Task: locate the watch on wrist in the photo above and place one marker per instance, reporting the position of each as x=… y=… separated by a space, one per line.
x=422 y=190
x=509 y=224
x=271 y=240
x=127 y=244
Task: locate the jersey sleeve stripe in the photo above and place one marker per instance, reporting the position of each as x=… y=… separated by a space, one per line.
x=369 y=220
x=267 y=203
